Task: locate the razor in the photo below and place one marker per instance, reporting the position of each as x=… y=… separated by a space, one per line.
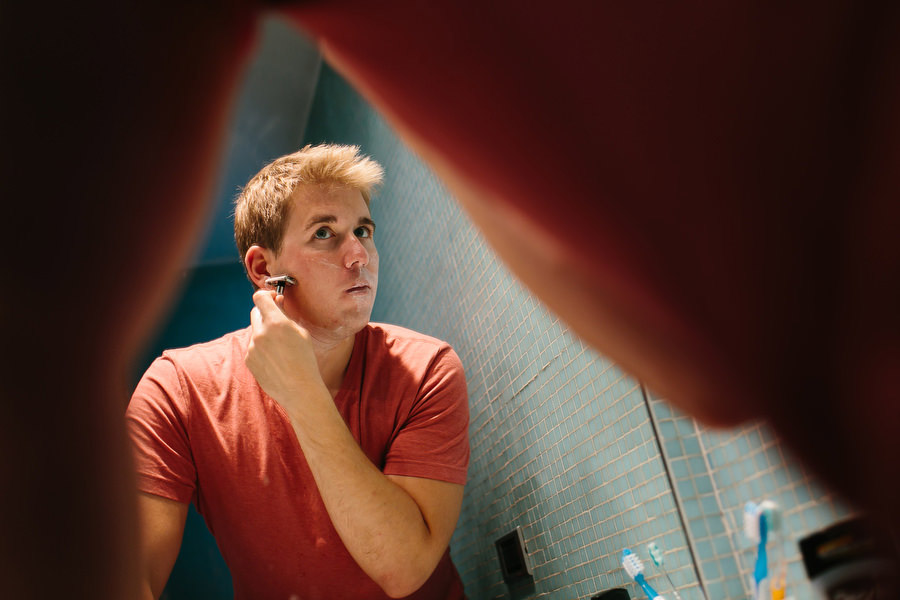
x=280 y=282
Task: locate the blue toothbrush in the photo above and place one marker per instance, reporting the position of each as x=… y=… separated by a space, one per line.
x=635 y=568
x=759 y=519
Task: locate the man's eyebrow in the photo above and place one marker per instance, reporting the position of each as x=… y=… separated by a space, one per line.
x=319 y=219
x=328 y=219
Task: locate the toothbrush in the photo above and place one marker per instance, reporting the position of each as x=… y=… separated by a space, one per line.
x=635 y=569
x=759 y=520
x=778 y=575
x=756 y=531
x=778 y=582
x=657 y=555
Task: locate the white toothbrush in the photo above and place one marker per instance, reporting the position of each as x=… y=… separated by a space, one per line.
x=656 y=555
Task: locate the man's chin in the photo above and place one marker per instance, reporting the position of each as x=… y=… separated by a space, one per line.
x=355 y=322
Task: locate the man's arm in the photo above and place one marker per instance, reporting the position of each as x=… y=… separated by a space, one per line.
x=396 y=528
x=161 y=528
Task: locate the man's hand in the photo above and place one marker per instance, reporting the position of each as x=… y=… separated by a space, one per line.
x=280 y=354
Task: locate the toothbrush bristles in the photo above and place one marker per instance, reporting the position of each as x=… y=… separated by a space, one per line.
x=632 y=564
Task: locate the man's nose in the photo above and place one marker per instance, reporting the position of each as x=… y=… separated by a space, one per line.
x=355 y=254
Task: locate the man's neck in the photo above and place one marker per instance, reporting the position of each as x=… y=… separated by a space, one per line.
x=333 y=358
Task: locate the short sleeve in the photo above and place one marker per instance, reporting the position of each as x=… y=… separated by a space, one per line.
x=157 y=425
x=434 y=441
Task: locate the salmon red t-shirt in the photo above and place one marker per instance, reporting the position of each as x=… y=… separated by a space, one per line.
x=205 y=432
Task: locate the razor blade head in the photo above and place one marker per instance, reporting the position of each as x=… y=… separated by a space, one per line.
x=280 y=282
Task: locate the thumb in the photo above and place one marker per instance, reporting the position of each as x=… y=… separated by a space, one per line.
x=256 y=324
x=264 y=301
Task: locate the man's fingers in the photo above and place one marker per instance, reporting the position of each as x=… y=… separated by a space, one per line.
x=255 y=318
x=265 y=303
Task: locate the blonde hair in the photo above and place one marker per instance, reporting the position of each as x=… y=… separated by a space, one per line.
x=262 y=208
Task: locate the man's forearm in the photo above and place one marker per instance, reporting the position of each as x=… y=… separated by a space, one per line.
x=381 y=525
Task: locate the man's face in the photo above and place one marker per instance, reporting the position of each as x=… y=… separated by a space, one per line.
x=329 y=248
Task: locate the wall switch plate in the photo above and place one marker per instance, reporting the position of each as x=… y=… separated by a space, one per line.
x=514 y=560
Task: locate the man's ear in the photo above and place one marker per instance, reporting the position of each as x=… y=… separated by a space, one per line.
x=257 y=261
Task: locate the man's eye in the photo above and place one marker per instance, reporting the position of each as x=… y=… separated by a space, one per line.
x=363 y=232
x=322 y=234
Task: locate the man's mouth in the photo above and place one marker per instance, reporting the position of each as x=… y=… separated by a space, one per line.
x=358 y=288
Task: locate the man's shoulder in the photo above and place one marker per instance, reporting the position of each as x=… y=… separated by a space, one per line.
x=389 y=344
x=212 y=352
x=201 y=373
x=392 y=335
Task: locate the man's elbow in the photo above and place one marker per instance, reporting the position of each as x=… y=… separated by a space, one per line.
x=400 y=586
x=405 y=579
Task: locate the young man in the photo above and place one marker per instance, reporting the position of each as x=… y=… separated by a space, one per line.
x=326 y=453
